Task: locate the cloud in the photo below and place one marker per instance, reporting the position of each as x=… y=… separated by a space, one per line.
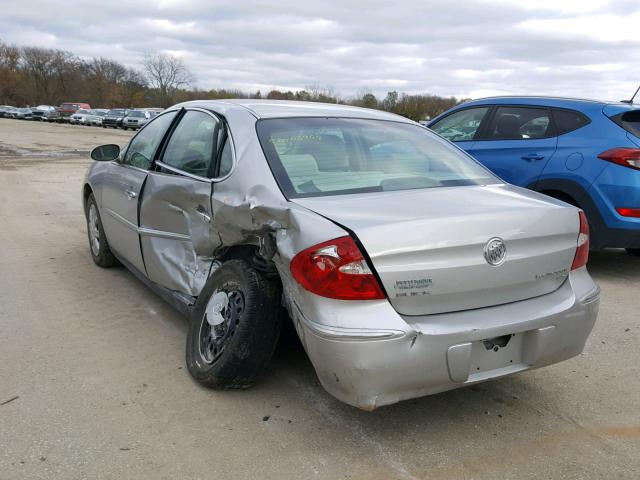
x=585 y=48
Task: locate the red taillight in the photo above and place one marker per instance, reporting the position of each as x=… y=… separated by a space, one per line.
x=629 y=212
x=627 y=157
x=336 y=269
x=582 y=252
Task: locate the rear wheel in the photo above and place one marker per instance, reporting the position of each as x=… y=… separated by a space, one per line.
x=234 y=327
x=633 y=251
x=98 y=246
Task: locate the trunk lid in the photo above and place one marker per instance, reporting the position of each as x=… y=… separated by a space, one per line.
x=427 y=246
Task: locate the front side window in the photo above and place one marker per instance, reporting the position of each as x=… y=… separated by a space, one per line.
x=330 y=156
x=145 y=143
x=192 y=146
x=461 y=126
x=520 y=123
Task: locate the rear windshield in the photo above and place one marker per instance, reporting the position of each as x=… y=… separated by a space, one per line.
x=630 y=121
x=331 y=156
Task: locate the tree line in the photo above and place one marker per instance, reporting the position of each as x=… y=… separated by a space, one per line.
x=34 y=76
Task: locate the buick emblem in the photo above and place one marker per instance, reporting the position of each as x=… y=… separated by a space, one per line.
x=495 y=252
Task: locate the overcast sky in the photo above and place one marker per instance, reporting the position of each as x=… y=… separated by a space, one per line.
x=586 y=48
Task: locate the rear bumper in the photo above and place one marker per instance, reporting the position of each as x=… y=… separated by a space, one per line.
x=417 y=356
x=616 y=187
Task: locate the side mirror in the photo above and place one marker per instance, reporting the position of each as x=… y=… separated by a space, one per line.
x=105 y=153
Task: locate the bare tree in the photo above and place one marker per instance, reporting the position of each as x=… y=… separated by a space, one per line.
x=10 y=77
x=166 y=74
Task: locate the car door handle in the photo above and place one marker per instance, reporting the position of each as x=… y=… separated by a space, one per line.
x=532 y=157
x=131 y=194
x=200 y=210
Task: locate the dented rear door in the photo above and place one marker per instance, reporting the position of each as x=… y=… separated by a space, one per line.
x=175 y=212
x=174 y=231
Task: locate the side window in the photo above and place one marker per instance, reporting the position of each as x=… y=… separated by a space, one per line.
x=192 y=145
x=461 y=126
x=144 y=144
x=569 y=120
x=520 y=123
x=226 y=159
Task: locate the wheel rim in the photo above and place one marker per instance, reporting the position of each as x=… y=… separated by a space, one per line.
x=219 y=322
x=94 y=230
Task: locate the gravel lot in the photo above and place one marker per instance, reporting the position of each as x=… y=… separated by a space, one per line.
x=93 y=383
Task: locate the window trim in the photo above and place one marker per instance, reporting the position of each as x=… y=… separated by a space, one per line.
x=480 y=128
x=222 y=126
x=484 y=134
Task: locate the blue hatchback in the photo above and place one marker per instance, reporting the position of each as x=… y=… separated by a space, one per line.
x=584 y=152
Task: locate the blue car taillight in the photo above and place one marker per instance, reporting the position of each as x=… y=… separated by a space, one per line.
x=627 y=157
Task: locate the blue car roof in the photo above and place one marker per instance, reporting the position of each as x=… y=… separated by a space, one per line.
x=609 y=108
x=540 y=100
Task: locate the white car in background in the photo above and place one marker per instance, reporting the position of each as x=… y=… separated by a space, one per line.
x=96 y=118
x=137 y=119
x=81 y=117
x=42 y=112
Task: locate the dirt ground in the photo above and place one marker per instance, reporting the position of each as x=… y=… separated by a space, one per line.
x=93 y=383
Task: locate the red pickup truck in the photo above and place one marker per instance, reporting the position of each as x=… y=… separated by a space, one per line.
x=66 y=109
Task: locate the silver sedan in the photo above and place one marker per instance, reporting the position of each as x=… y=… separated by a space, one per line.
x=405 y=266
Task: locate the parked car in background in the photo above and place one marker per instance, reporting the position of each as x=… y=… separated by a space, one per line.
x=7 y=111
x=406 y=267
x=113 y=118
x=97 y=115
x=66 y=109
x=81 y=117
x=137 y=118
x=584 y=152
x=42 y=112
x=23 y=113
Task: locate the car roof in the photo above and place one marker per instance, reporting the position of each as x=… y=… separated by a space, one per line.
x=541 y=100
x=288 y=108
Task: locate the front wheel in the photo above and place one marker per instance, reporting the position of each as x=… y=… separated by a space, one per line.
x=98 y=246
x=633 y=251
x=234 y=328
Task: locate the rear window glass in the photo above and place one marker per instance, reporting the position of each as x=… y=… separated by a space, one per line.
x=330 y=156
x=630 y=121
x=569 y=120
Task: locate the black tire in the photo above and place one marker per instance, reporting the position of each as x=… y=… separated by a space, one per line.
x=100 y=252
x=248 y=334
x=633 y=251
